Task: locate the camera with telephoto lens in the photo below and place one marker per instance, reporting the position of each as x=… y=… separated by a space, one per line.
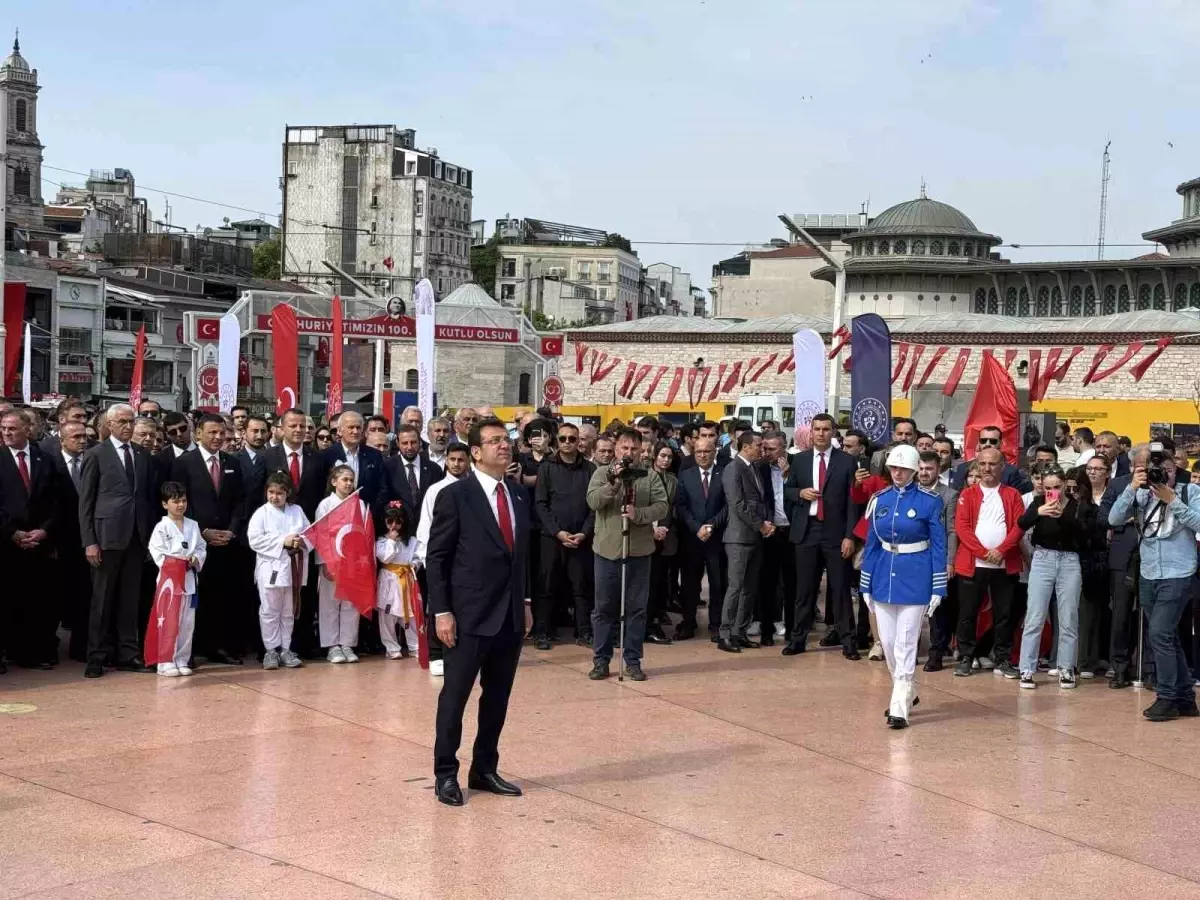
x=1156 y=472
x=631 y=471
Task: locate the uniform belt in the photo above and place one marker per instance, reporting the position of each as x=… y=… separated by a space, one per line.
x=905 y=548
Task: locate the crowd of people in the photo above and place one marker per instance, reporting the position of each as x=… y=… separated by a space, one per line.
x=1031 y=569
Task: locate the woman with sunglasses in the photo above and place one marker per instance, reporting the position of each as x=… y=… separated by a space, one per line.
x=663 y=464
x=1091 y=483
x=1052 y=520
x=322 y=439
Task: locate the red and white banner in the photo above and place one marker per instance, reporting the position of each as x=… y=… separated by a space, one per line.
x=162 y=631
x=139 y=365
x=398 y=328
x=333 y=393
x=285 y=347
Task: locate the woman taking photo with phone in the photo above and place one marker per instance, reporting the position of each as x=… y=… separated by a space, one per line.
x=1056 y=537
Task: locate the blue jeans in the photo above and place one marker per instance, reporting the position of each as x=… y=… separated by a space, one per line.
x=606 y=616
x=1053 y=573
x=1164 y=601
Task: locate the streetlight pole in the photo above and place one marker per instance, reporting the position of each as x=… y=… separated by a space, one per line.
x=839 y=303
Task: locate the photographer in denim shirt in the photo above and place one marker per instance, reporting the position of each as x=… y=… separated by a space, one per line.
x=1166 y=522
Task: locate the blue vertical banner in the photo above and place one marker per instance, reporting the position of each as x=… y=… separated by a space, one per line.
x=871 y=377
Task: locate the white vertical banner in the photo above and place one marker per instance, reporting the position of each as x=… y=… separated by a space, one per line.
x=426 y=348
x=27 y=368
x=808 y=351
x=228 y=353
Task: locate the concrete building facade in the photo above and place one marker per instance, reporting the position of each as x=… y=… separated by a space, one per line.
x=365 y=198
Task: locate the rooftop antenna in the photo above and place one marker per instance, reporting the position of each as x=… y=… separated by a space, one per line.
x=923 y=194
x=1103 y=202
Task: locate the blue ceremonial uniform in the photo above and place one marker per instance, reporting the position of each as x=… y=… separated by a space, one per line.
x=896 y=568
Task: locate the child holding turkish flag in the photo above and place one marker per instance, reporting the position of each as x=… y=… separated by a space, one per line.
x=337 y=617
x=173 y=618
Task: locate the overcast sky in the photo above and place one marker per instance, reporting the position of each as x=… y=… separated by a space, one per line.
x=667 y=120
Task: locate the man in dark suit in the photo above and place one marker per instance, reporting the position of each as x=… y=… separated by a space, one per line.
x=27 y=523
x=252 y=458
x=704 y=430
x=217 y=503
x=822 y=530
x=478 y=575
x=410 y=473
x=1009 y=475
x=117 y=514
x=745 y=529
x=70 y=410
x=726 y=454
x=778 y=557
x=702 y=513
x=73 y=576
x=305 y=467
x=1108 y=445
x=370 y=477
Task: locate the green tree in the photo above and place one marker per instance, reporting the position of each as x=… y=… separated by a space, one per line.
x=616 y=240
x=484 y=261
x=266 y=259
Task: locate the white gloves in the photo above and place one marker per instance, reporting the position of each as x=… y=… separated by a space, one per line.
x=934 y=602
x=866 y=598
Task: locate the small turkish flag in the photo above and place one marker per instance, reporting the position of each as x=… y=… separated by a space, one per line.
x=552 y=345
x=345 y=540
x=388 y=263
x=162 y=631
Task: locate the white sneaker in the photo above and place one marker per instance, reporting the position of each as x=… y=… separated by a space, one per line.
x=436 y=668
x=290 y=660
x=753 y=630
x=1053 y=672
x=350 y=655
x=395 y=654
x=780 y=629
x=876 y=653
x=336 y=655
x=1087 y=673
x=184 y=670
x=986 y=662
x=270 y=660
x=168 y=670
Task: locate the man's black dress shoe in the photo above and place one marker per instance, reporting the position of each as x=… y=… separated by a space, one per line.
x=657 y=636
x=743 y=643
x=448 y=791
x=684 y=632
x=728 y=646
x=137 y=664
x=767 y=640
x=493 y=784
x=793 y=648
x=93 y=670
x=1120 y=679
x=851 y=653
x=897 y=722
x=831 y=638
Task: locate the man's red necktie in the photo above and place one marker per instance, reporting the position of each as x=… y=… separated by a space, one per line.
x=505 y=521
x=294 y=469
x=214 y=469
x=23 y=469
x=821 y=488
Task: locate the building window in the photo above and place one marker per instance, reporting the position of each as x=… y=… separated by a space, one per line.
x=1160 y=296
x=1109 y=305
x=22 y=183
x=993 y=306
x=419 y=204
x=1143 y=299
x=884 y=248
x=968 y=249
x=508 y=267
x=1056 y=302
x=74 y=346
x=605 y=273
x=1010 y=302
x=22 y=116
x=412 y=380
x=1076 y=305
x=980 y=301
x=1196 y=295
x=410 y=168
x=441 y=284
x=1123 y=298
x=953 y=248
x=585 y=271
x=523 y=388
x=1180 y=301
x=508 y=291
x=918 y=248
x=1043 y=302
x=442 y=243
x=258 y=386
x=935 y=248
x=156 y=374
x=1089 y=301
x=602 y=293
x=870 y=247
x=437 y=170
x=900 y=248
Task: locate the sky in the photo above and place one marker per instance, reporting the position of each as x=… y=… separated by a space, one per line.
x=686 y=121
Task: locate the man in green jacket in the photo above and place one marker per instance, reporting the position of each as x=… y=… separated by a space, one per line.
x=616 y=500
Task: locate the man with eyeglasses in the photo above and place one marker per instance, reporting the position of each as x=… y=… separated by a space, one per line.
x=989 y=439
x=567 y=526
x=463 y=420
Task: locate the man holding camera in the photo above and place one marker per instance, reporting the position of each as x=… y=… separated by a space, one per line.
x=1166 y=523
x=625 y=503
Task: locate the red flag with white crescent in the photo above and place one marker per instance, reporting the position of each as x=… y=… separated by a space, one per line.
x=333 y=394
x=345 y=540
x=162 y=631
x=285 y=347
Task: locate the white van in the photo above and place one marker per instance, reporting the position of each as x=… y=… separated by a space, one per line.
x=779 y=408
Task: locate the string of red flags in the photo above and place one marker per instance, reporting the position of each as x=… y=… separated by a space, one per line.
x=915 y=365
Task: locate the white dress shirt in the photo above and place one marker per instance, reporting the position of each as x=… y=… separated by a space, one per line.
x=206 y=456
x=818 y=455
x=28 y=457
x=179 y=451
x=489 y=488
x=413 y=466
x=781 y=518
x=439 y=461
x=68 y=458
x=352 y=461
x=287 y=456
x=425 y=525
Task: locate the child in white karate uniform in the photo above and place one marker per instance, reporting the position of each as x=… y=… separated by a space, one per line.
x=274 y=530
x=397 y=594
x=337 y=619
x=178 y=536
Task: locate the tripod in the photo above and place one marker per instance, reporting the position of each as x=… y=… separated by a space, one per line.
x=628 y=501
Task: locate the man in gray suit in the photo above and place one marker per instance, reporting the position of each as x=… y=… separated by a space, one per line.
x=116 y=518
x=945 y=617
x=748 y=525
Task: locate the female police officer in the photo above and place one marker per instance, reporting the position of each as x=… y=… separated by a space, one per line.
x=903 y=571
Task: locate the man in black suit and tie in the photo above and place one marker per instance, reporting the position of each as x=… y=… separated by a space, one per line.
x=409 y=473
x=117 y=514
x=305 y=467
x=745 y=529
x=778 y=555
x=822 y=529
x=477 y=564
x=701 y=511
x=217 y=503
x=366 y=462
x=252 y=458
x=27 y=522
x=74 y=577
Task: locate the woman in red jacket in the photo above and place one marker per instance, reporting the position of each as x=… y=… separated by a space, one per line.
x=867 y=485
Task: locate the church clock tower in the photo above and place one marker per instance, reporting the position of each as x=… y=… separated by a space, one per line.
x=24 y=175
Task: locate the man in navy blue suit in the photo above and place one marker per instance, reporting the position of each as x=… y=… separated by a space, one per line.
x=369 y=474
x=702 y=513
x=478 y=570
